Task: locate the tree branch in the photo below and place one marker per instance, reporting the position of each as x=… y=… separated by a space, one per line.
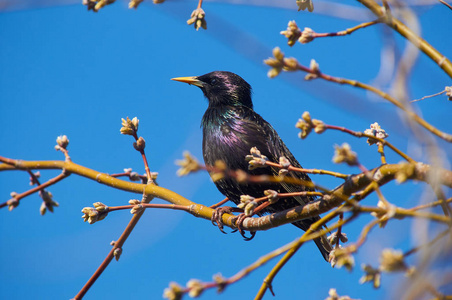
x=442 y=61
x=355 y=183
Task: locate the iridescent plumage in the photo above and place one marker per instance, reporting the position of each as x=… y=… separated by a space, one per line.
x=230 y=129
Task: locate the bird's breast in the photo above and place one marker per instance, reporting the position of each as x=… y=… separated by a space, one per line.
x=225 y=142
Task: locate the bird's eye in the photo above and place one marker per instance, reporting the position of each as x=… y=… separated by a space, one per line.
x=214 y=81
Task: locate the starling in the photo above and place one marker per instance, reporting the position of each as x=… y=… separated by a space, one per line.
x=230 y=129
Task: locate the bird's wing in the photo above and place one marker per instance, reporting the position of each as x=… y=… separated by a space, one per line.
x=261 y=134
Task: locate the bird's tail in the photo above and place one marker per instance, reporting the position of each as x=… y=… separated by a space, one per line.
x=322 y=243
x=324 y=247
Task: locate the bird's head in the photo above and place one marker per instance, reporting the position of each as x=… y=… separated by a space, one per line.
x=222 y=88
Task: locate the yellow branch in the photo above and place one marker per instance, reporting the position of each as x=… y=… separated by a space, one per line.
x=197 y=210
x=407 y=33
x=354 y=184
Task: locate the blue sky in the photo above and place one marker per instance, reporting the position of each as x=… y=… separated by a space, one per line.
x=64 y=70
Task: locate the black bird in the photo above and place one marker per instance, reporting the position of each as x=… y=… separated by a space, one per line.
x=230 y=129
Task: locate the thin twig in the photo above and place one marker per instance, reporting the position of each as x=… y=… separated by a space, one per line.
x=266 y=258
x=411 y=114
x=219 y=203
x=442 y=199
x=401 y=212
x=267 y=282
x=381 y=150
x=353 y=184
x=442 y=61
x=130 y=127
x=146 y=205
x=115 y=250
x=369 y=136
x=145 y=161
x=346 y=31
x=430 y=205
x=365 y=232
x=38 y=188
x=445 y=3
x=430 y=96
x=291 y=64
x=309 y=171
x=339 y=230
x=428 y=244
x=142 y=177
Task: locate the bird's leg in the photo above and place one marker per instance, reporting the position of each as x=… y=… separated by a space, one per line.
x=242 y=217
x=220 y=211
x=218 y=215
x=238 y=223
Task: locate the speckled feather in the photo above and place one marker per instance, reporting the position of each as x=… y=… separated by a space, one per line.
x=231 y=128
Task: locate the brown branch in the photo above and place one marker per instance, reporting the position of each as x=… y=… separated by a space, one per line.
x=219 y=203
x=411 y=114
x=38 y=188
x=280 y=63
x=308 y=171
x=445 y=3
x=132 y=176
x=115 y=250
x=339 y=231
x=381 y=141
x=143 y=155
x=130 y=127
x=346 y=31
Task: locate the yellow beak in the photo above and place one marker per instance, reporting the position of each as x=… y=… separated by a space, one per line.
x=190 y=80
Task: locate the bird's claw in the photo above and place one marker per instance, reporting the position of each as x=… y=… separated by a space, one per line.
x=217 y=216
x=238 y=223
x=217 y=220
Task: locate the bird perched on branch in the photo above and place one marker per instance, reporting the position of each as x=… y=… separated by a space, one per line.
x=230 y=129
